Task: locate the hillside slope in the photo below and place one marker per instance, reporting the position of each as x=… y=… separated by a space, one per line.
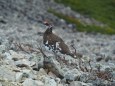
x=22 y=63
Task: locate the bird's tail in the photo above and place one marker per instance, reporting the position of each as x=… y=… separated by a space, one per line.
x=76 y=55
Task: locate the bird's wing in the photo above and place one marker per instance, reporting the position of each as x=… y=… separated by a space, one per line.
x=64 y=48
x=56 y=38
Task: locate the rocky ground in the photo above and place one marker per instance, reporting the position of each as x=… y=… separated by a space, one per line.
x=22 y=63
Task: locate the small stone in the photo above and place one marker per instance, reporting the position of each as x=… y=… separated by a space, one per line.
x=29 y=73
x=113 y=51
x=78 y=83
x=49 y=82
x=19 y=77
x=108 y=58
x=62 y=21
x=38 y=59
x=72 y=74
x=113 y=83
x=77 y=15
x=2 y=48
x=24 y=63
x=72 y=26
x=99 y=59
x=7 y=55
x=41 y=74
x=7 y=73
x=54 y=66
x=30 y=82
x=1 y=84
x=60 y=85
x=16 y=55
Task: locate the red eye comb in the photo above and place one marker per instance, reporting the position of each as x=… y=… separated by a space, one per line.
x=46 y=23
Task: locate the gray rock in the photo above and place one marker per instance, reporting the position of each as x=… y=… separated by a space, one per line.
x=54 y=66
x=113 y=74
x=2 y=48
x=30 y=82
x=49 y=82
x=9 y=83
x=16 y=56
x=7 y=73
x=113 y=84
x=1 y=84
x=38 y=59
x=24 y=63
x=78 y=83
x=7 y=55
x=19 y=77
x=41 y=74
x=72 y=74
x=29 y=73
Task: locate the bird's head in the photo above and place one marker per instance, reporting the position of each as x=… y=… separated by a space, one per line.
x=48 y=26
x=46 y=23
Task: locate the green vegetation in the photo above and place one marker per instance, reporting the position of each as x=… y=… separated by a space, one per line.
x=101 y=10
x=81 y=27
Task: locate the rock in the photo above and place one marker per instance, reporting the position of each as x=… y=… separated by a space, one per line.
x=99 y=59
x=16 y=56
x=60 y=85
x=24 y=74
x=2 y=48
x=72 y=75
x=7 y=73
x=108 y=58
x=24 y=63
x=58 y=80
x=9 y=83
x=30 y=82
x=1 y=38
x=78 y=83
x=49 y=82
x=62 y=21
x=41 y=74
x=29 y=73
x=54 y=66
x=78 y=15
x=113 y=74
x=113 y=84
x=19 y=77
x=113 y=51
x=7 y=55
x=72 y=26
x=38 y=59
x=1 y=84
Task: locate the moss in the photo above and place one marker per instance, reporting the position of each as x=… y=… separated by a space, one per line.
x=81 y=27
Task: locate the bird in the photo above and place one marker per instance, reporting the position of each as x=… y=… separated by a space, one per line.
x=53 y=42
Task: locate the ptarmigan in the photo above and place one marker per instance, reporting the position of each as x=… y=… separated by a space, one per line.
x=53 y=42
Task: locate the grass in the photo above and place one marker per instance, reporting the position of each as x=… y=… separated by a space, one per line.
x=102 y=10
x=81 y=27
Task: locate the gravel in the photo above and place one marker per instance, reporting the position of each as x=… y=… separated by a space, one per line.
x=21 y=28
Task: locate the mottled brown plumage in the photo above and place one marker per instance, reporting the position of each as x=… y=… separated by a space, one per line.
x=54 y=42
